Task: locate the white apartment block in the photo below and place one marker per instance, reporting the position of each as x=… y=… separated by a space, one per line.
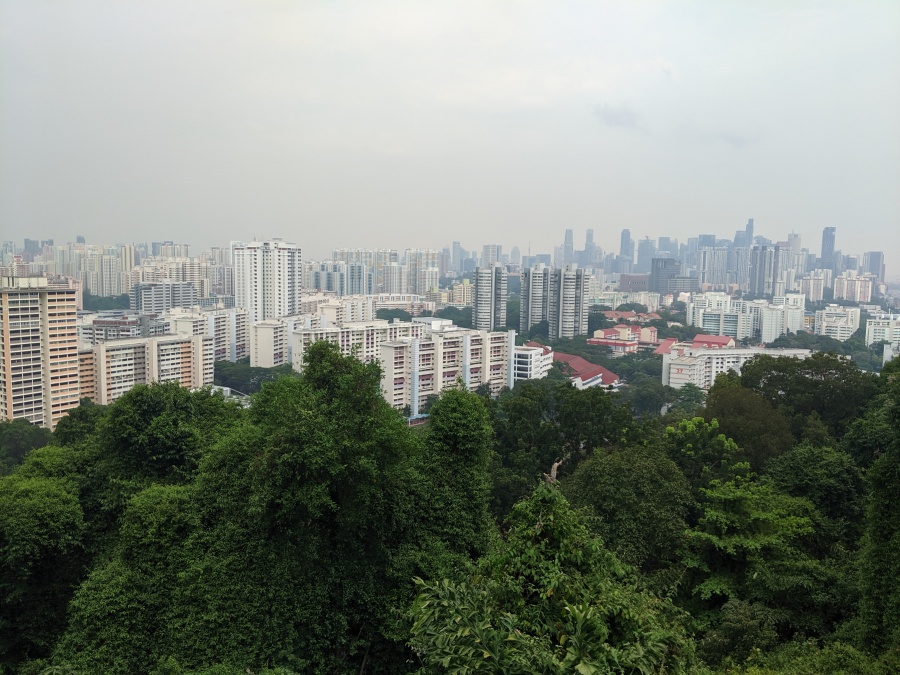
x=416 y=261
x=38 y=350
x=849 y=286
x=228 y=328
x=558 y=296
x=837 y=322
x=268 y=278
x=883 y=328
x=118 y=325
x=720 y=314
x=103 y=275
x=162 y=296
x=415 y=368
x=408 y=302
x=700 y=365
x=362 y=339
x=489 y=301
x=269 y=344
x=109 y=369
x=461 y=294
x=531 y=363
x=652 y=301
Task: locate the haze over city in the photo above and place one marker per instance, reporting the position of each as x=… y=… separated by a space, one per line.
x=414 y=124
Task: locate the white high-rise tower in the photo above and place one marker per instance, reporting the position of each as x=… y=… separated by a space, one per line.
x=268 y=278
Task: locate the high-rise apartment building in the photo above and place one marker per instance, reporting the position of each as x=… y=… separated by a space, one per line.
x=268 y=278
x=489 y=298
x=38 y=350
x=557 y=296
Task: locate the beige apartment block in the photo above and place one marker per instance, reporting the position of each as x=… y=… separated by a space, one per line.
x=415 y=368
x=362 y=339
x=38 y=350
x=110 y=369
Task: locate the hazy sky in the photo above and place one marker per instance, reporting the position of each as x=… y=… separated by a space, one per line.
x=418 y=123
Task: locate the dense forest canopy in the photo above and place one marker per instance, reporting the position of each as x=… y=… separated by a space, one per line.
x=547 y=530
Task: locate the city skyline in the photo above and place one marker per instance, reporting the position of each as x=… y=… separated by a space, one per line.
x=405 y=125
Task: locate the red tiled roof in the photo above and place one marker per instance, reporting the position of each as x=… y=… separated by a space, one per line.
x=721 y=340
x=584 y=369
x=532 y=343
x=665 y=346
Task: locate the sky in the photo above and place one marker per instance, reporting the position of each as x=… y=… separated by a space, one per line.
x=414 y=124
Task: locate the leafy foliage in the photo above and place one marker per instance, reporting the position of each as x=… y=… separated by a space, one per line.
x=17 y=437
x=551 y=599
x=246 y=379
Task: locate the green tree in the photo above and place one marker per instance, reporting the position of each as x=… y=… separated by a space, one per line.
x=461 y=317
x=747 y=417
x=513 y=305
x=247 y=379
x=751 y=544
x=551 y=599
x=17 y=438
x=41 y=529
x=880 y=560
x=835 y=389
x=159 y=430
x=830 y=480
x=641 y=500
x=458 y=455
x=99 y=303
x=391 y=314
x=701 y=451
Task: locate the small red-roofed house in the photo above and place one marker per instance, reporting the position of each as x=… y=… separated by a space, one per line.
x=584 y=374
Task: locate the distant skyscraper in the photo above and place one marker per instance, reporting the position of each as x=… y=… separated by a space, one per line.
x=749 y=230
x=706 y=241
x=268 y=278
x=873 y=263
x=827 y=257
x=568 y=248
x=489 y=299
x=457 y=253
x=626 y=245
x=490 y=254
x=646 y=252
x=665 y=246
x=766 y=264
x=661 y=271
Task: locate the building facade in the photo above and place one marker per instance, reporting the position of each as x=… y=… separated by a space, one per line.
x=489 y=298
x=38 y=350
x=110 y=369
x=268 y=278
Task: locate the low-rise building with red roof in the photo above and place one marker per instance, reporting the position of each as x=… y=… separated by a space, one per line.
x=584 y=374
